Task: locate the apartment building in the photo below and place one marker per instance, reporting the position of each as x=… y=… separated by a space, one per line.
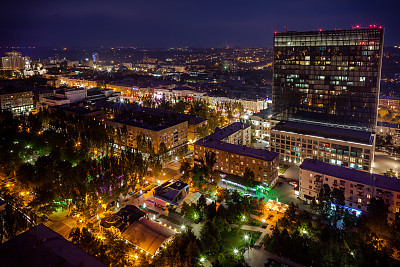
x=358 y=186
x=233 y=156
x=343 y=147
x=236 y=133
x=194 y=123
x=390 y=102
x=16 y=101
x=234 y=159
x=173 y=133
x=392 y=129
x=262 y=123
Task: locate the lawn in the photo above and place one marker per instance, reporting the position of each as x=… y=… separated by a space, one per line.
x=236 y=238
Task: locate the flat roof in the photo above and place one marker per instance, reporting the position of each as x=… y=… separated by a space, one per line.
x=330 y=32
x=362 y=177
x=147 y=123
x=342 y=134
x=134 y=108
x=41 y=246
x=388 y=124
x=223 y=133
x=381 y=97
x=261 y=154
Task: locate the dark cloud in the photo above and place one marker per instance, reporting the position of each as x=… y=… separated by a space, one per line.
x=166 y=23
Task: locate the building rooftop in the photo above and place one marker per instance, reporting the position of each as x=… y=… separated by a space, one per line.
x=147 y=122
x=147 y=235
x=388 y=124
x=123 y=218
x=326 y=132
x=169 y=191
x=41 y=246
x=264 y=114
x=133 y=108
x=223 y=133
x=362 y=177
x=261 y=154
x=389 y=97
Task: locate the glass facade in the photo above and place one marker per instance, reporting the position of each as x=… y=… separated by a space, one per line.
x=328 y=77
x=294 y=148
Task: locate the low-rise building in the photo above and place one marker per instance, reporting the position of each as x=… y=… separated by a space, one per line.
x=16 y=101
x=171 y=133
x=76 y=81
x=80 y=112
x=297 y=141
x=236 y=133
x=195 y=123
x=358 y=187
x=233 y=157
x=262 y=123
x=171 y=192
x=41 y=246
x=133 y=225
x=393 y=129
x=390 y=102
x=253 y=105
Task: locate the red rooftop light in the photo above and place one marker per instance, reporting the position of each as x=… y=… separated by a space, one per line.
x=320 y=30
x=275 y=32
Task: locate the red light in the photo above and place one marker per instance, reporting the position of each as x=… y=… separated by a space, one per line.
x=357 y=26
x=374 y=26
x=380 y=27
x=370 y=26
x=372 y=42
x=362 y=43
x=320 y=30
x=275 y=32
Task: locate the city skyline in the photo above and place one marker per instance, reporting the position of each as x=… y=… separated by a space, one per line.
x=179 y=24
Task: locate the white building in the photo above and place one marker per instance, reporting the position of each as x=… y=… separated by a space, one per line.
x=358 y=187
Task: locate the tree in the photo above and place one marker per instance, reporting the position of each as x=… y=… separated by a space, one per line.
x=376 y=217
x=249 y=176
x=185 y=169
x=395 y=232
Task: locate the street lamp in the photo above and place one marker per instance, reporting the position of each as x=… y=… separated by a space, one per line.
x=246 y=237
x=183 y=227
x=235 y=251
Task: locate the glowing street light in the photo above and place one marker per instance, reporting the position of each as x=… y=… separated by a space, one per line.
x=235 y=251
x=202 y=259
x=183 y=227
x=246 y=237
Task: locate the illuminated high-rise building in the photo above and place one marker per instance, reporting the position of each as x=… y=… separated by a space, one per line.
x=95 y=57
x=328 y=77
x=325 y=93
x=14 y=61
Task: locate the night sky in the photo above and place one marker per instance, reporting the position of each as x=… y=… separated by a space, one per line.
x=173 y=23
